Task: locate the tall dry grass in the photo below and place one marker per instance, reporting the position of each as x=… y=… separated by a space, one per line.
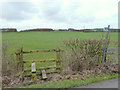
x=8 y=65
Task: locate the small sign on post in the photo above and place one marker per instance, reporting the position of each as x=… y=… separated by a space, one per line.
x=104 y=53
x=105 y=28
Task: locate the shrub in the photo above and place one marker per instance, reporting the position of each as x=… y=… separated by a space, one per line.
x=83 y=54
x=8 y=65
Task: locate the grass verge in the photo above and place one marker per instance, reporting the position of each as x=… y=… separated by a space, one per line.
x=73 y=82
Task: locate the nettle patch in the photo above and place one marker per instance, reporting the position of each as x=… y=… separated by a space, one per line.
x=83 y=54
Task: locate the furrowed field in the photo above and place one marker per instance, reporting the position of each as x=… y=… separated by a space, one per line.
x=48 y=40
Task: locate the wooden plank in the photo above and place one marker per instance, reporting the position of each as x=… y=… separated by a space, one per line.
x=49 y=67
x=31 y=61
x=57 y=71
x=113 y=56
x=43 y=68
x=36 y=51
x=52 y=72
x=44 y=76
x=33 y=69
x=114 y=48
x=110 y=52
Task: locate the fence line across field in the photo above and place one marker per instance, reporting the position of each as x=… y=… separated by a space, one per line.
x=33 y=71
x=114 y=48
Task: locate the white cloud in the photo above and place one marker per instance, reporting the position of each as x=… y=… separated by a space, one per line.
x=59 y=13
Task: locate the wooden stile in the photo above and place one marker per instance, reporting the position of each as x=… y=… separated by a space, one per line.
x=20 y=67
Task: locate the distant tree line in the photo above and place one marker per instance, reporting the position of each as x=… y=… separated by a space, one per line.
x=8 y=30
x=49 y=29
x=38 y=29
x=90 y=30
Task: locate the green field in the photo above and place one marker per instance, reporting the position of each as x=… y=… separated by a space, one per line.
x=48 y=40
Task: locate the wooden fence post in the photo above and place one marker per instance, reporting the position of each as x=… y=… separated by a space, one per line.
x=58 y=63
x=62 y=59
x=19 y=58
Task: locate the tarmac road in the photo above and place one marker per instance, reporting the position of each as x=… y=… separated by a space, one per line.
x=113 y=83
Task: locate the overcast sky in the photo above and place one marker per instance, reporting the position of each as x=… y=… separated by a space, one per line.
x=56 y=14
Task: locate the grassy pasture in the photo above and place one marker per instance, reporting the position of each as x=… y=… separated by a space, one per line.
x=47 y=40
